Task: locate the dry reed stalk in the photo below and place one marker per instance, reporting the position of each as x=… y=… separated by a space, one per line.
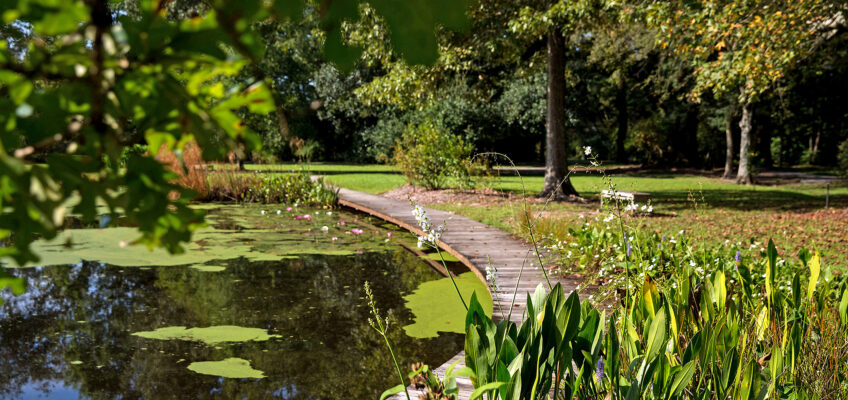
x=192 y=171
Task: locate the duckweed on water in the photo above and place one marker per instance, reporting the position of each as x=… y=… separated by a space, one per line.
x=210 y=335
x=229 y=368
x=208 y=268
x=235 y=231
x=447 y=256
x=437 y=308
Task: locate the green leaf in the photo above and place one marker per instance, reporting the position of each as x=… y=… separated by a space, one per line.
x=392 y=391
x=843 y=306
x=656 y=336
x=681 y=379
x=478 y=392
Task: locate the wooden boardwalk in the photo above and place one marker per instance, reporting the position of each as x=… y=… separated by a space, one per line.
x=474 y=244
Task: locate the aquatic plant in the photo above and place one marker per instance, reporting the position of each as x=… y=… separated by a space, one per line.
x=381 y=326
x=684 y=323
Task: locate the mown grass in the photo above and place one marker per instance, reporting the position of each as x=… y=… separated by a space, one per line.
x=712 y=210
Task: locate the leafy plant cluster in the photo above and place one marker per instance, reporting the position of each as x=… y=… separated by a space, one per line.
x=674 y=322
x=269 y=189
x=291 y=189
x=430 y=156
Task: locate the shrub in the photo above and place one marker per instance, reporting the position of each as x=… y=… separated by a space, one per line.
x=431 y=157
x=842 y=158
x=290 y=189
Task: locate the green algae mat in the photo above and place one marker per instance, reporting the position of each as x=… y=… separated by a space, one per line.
x=437 y=308
x=210 y=335
x=249 y=231
x=232 y=367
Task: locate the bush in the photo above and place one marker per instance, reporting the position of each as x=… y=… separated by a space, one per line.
x=431 y=157
x=252 y=188
x=842 y=158
x=291 y=189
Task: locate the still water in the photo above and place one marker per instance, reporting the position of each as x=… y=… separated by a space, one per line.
x=284 y=317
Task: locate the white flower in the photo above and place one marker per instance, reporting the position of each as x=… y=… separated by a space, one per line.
x=329 y=213
x=325 y=228
x=278 y=212
x=262 y=212
x=587 y=150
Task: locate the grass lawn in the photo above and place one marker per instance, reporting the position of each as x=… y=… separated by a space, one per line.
x=710 y=209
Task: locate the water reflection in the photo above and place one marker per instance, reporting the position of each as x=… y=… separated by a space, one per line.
x=70 y=335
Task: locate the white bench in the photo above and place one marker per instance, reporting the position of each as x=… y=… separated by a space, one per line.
x=628 y=197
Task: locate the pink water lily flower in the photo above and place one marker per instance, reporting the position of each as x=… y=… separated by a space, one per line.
x=288 y=208
x=341 y=223
x=308 y=217
x=335 y=238
x=298 y=217
x=389 y=234
x=356 y=231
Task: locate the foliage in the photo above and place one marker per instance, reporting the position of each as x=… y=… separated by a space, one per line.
x=738 y=45
x=842 y=157
x=78 y=76
x=291 y=189
x=432 y=157
x=730 y=333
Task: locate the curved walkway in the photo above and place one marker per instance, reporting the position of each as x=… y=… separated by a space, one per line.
x=475 y=245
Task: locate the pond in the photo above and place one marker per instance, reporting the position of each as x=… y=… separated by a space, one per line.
x=262 y=305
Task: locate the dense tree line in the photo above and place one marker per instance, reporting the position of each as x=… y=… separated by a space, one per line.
x=651 y=83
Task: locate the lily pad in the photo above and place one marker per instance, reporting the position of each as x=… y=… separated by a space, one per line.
x=210 y=335
x=437 y=308
x=233 y=367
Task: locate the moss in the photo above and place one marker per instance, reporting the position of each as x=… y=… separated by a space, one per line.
x=229 y=368
x=210 y=335
x=437 y=308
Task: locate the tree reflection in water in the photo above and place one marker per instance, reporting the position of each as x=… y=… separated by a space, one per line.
x=70 y=334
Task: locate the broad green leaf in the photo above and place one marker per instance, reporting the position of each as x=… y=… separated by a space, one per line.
x=478 y=392
x=392 y=391
x=681 y=379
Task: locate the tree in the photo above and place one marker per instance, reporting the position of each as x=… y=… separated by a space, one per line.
x=89 y=76
x=740 y=47
x=553 y=21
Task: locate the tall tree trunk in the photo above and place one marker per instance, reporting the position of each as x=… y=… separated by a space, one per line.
x=728 y=135
x=814 y=146
x=557 y=185
x=743 y=175
x=690 y=129
x=621 y=105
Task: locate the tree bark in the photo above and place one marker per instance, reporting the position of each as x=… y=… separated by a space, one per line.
x=623 y=118
x=743 y=175
x=728 y=135
x=814 y=147
x=557 y=185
